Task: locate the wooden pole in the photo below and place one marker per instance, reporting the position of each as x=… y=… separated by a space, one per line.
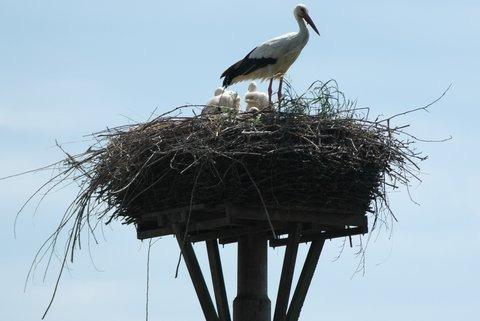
x=195 y=274
x=305 y=280
x=287 y=274
x=218 y=281
x=252 y=302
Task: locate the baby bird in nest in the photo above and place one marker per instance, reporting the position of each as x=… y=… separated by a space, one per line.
x=223 y=100
x=256 y=100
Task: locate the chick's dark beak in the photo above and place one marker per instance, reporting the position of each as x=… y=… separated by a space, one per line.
x=311 y=23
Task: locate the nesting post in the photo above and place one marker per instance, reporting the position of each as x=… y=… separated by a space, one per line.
x=252 y=302
x=253 y=229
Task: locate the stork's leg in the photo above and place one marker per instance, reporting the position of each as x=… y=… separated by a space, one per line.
x=270 y=91
x=279 y=93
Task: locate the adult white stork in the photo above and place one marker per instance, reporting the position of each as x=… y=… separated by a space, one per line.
x=271 y=59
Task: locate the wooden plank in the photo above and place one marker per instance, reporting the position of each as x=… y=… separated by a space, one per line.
x=155 y=232
x=264 y=231
x=230 y=233
x=305 y=280
x=287 y=274
x=193 y=227
x=302 y=216
x=319 y=235
x=211 y=224
x=176 y=210
x=218 y=280
x=195 y=274
x=178 y=213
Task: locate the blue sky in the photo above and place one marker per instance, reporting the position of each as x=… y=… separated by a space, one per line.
x=70 y=68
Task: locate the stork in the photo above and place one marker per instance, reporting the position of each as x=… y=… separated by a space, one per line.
x=271 y=59
x=222 y=98
x=256 y=99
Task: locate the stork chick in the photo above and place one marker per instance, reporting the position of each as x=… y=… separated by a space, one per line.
x=271 y=59
x=222 y=99
x=256 y=99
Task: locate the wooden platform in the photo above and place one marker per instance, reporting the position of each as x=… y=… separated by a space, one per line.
x=228 y=223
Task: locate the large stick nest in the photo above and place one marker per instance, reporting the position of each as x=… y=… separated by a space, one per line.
x=316 y=151
x=277 y=159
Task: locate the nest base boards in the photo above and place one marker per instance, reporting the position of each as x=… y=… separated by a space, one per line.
x=253 y=229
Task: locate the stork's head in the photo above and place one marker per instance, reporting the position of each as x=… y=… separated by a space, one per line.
x=301 y=12
x=252 y=87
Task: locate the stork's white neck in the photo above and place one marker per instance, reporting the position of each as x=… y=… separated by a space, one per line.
x=303 y=32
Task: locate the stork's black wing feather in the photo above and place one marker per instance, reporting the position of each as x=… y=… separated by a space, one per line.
x=244 y=67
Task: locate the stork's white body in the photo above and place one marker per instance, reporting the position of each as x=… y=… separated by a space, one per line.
x=284 y=49
x=273 y=58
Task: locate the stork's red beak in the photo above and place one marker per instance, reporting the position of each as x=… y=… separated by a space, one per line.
x=311 y=23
